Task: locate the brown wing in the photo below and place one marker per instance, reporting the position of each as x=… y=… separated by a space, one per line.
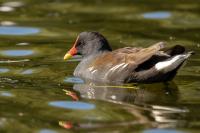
x=128 y=55
x=144 y=54
x=116 y=65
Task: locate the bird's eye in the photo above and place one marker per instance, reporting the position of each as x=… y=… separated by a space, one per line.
x=80 y=44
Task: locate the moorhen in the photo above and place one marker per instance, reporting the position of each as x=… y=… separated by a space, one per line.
x=125 y=65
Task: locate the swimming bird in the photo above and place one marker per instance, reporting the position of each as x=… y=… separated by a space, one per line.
x=125 y=65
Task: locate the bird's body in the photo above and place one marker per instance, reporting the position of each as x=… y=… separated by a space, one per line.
x=125 y=65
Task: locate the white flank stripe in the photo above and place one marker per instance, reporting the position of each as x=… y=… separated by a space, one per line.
x=116 y=67
x=169 y=65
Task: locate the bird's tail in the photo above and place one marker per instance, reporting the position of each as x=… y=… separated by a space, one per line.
x=176 y=50
x=174 y=62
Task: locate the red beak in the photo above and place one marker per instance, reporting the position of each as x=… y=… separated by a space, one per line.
x=73 y=51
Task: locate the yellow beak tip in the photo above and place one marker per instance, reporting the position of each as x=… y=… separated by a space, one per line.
x=67 y=56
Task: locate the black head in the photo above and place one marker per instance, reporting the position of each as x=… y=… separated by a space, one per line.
x=88 y=43
x=91 y=43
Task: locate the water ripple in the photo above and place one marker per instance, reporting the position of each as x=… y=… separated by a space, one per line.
x=16 y=53
x=4 y=70
x=13 y=4
x=28 y=71
x=157 y=15
x=14 y=61
x=73 y=80
x=6 y=9
x=161 y=131
x=72 y=105
x=6 y=94
x=18 y=30
x=47 y=131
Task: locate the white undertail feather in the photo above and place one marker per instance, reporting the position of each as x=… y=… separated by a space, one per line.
x=171 y=64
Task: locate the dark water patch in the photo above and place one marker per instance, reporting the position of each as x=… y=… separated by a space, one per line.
x=157 y=15
x=73 y=80
x=72 y=105
x=16 y=53
x=17 y=30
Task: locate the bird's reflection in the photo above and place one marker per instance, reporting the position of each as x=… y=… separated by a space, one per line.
x=158 y=101
x=137 y=94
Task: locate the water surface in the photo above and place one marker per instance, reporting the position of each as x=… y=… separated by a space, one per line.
x=17 y=30
x=39 y=94
x=157 y=15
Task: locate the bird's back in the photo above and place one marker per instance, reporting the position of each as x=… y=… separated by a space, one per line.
x=114 y=66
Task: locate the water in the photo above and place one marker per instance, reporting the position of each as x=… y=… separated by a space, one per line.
x=16 y=30
x=16 y=53
x=6 y=94
x=157 y=15
x=72 y=105
x=4 y=70
x=39 y=94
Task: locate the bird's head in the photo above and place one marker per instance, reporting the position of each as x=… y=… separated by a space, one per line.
x=88 y=43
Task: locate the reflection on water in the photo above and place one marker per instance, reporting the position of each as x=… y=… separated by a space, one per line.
x=46 y=29
x=73 y=80
x=72 y=105
x=6 y=94
x=157 y=15
x=22 y=44
x=17 y=30
x=7 y=23
x=152 y=98
x=137 y=94
x=13 y=4
x=47 y=131
x=4 y=70
x=10 y=6
x=6 y=9
x=162 y=131
x=17 y=53
x=14 y=61
x=28 y=71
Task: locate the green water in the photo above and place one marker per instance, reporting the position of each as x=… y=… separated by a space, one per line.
x=35 y=35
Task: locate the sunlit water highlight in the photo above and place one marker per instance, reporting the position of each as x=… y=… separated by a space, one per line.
x=39 y=78
x=6 y=9
x=14 y=61
x=4 y=70
x=13 y=4
x=162 y=131
x=6 y=94
x=27 y=72
x=73 y=80
x=72 y=105
x=47 y=131
x=157 y=15
x=17 y=30
x=16 y=53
